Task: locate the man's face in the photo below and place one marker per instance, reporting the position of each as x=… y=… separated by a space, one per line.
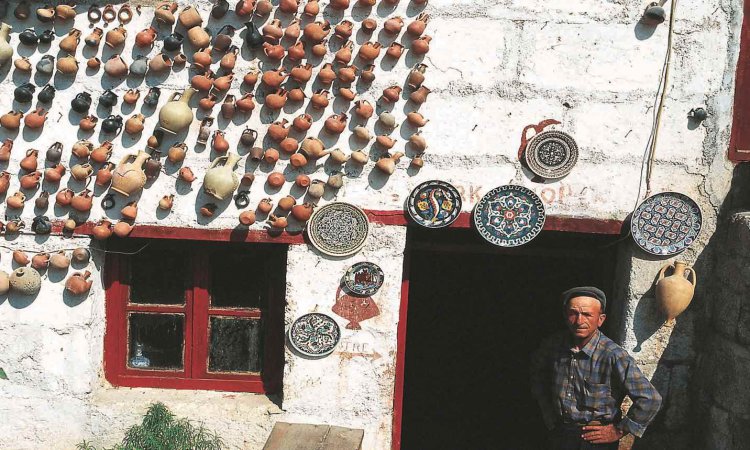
x=584 y=316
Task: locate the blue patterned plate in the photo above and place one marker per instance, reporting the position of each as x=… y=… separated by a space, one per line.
x=666 y=223
x=434 y=204
x=314 y=334
x=363 y=279
x=509 y=216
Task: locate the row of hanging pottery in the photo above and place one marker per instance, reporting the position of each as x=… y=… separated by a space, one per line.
x=508 y=216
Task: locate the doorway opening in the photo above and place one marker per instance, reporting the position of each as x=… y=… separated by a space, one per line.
x=475 y=315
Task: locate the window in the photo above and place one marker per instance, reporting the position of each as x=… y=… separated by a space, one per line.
x=195 y=315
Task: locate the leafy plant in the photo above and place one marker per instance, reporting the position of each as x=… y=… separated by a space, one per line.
x=161 y=430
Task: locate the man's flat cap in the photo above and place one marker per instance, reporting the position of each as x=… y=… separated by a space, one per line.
x=585 y=291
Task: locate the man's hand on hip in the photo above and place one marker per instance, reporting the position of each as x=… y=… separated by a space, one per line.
x=602 y=434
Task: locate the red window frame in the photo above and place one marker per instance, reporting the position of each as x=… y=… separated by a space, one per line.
x=197 y=311
x=739 y=141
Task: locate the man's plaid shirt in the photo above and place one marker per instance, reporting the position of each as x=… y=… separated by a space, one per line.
x=590 y=384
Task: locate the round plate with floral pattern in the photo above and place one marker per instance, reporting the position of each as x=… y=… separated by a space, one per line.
x=338 y=229
x=509 y=216
x=666 y=223
x=551 y=154
x=434 y=204
x=363 y=279
x=314 y=334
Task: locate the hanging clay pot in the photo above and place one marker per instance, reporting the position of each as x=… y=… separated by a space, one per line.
x=30 y=180
x=81 y=172
x=26 y=281
x=229 y=60
x=246 y=103
x=128 y=177
x=421 y=46
x=47 y=94
x=94 y=38
x=5 y=149
x=199 y=37
x=202 y=59
x=16 y=200
x=289 y=6
x=135 y=124
x=104 y=175
x=6 y=51
x=164 y=12
x=71 y=41
x=83 y=201
x=88 y=123
x=42 y=201
x=122 y=229
x=159 y=63
x=387 y=163
x=115 y=37
x=4 y=181
x=30 y=161
x=166 y=202
x=293 y=30
x=220 y=180
x=11 y=120
x=116 y=67
x=186 y=174
x=220 y=144
x=176 y=115
x=336 y=124
x=177 y=153
x=312 y=148
x=22 y=64
x=82 y=149
x=59 y=260
x=417 y=27
x=276 y=100
x=675 y=292
x=79 y=283
x=228 y=107
x=129 y=211
x=253 y=38
x=319 y=99
x=103 y=230
x=370 y=51
x=173 y=42
x=303 y=122
x=190 y=17
x=317 y=31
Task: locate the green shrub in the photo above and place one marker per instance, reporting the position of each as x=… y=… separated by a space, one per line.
x=161 y=430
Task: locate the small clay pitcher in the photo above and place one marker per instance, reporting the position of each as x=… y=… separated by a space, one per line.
x=145 y=37
x=675 y=292
x=79 y=283
x=115 y=37
x=5 y=149
x=116 y=67
x=11 y=120
x=30 y=180
x=81 y=172
x=30 y=161
x=83 y=201
x=101 y=154
x=135 y=124
x=104 y=175
x=103 y=230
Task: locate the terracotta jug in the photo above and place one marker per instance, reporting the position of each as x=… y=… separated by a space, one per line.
x=176 y=114
x=293 y=30
x=103 y=230
x=417 y=27
x=416 y=76
x=83 y=201
x=145 y=37
x=246 y=103
x=11 y=120
x=301 y=73
x=202 y=59
x=135 y=124
x=289 y=6
x=30 y=161
x=116 y=66
x=319 y=99
x=130 y=211
x=31 y=180
x=36 y=119
x=129 y=177
x=199 y=37
x=317 y=31
x=71 y=41
x=675 y=292
x=5 y=149
x=59 y=260
x=220 y=180
x=6 y=51
x=177 y=153
x=101 y=154
x=4 y=181
x=190 y=17
x=131 y=96
x=104 y=175
x=94 y=38
x=16 y=200
x=164 y=12
x=297 y=51
x=344 y=29
x=82 y=149
x=229 y=60
x=81 y=172
x=79 y=283
x=115 y=37
x=220 y=144
x=387 y=163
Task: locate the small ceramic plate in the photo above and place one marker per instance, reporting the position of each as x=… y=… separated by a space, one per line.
x=509 y=216
x=363 y=279
x=551 y=154
x=666 y=223
x=434 y=204
x=314 y=334
x=338 y=229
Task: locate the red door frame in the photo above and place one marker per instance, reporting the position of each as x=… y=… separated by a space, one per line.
x=554 y=223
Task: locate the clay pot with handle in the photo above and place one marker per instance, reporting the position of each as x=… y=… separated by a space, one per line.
x=79 y=283
x=220 y=180
x=675 y=292
x=129 y=177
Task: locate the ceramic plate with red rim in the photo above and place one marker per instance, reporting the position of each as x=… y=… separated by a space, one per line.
x=363 y=279
x=434 y=204
x=509 y=216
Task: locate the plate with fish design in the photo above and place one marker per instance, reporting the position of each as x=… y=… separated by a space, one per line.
x=434 y=204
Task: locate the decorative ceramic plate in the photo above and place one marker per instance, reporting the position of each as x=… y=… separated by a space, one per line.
x=363 y=279
x=434 y=204
x=666 y=223
x=551 y=154
x=338 y=229
x=509 y=216
x=314 y=334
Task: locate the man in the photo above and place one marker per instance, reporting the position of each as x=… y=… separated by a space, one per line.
x=580 y=377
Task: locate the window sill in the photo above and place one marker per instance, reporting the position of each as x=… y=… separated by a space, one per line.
x=249 y=386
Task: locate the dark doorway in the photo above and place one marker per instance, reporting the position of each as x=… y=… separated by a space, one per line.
x=475 y=315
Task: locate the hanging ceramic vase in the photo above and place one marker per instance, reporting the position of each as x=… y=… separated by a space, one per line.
x=675 y=292
x=6 y=51
x=79 y=283
x=176 y=115
x=253 y=38
x=129 y=177
x=220 y=180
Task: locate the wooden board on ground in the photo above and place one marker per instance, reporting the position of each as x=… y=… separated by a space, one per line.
x=303 y=436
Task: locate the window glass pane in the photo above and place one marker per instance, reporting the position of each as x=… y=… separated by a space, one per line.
x=235 y=345
x=157 y=276
x=239 y=280
x=155 y=341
